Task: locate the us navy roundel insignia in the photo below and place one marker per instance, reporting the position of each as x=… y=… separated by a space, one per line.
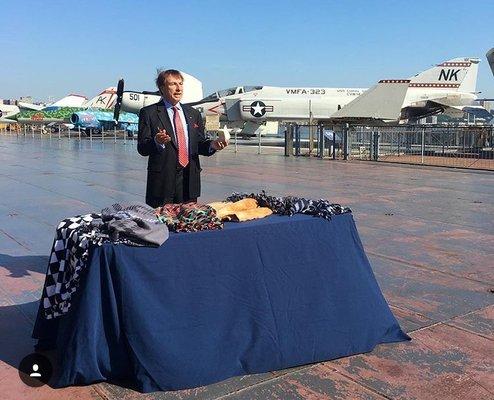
x=258 y=109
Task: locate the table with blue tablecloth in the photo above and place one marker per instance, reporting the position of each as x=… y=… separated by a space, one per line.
x=253 y=297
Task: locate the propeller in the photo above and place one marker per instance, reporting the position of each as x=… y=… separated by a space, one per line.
x=118 y=103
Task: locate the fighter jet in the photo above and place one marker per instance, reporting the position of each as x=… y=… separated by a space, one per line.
x=9 y=113
x=72 y=111
x=447 y=88
x=59 y=111
x=288 y=103
x=9 y=110
x=95 y=121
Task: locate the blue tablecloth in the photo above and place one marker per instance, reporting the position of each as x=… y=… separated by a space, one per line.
x=254 y=297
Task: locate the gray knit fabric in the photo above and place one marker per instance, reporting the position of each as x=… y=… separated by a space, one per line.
x=136 y=221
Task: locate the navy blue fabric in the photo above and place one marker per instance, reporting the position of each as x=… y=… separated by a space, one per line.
x=255 y=297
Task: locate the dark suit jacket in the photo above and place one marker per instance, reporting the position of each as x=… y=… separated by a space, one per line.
x=162 y=163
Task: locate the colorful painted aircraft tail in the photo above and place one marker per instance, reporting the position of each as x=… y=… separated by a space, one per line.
x=106 y=99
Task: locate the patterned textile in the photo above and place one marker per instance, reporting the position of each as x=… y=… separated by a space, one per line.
x=134 y=225
x=135 y=210
x=239 y=211
x=137 y=223
x=189 y=217
x=277 y=204
x=294 y=205
x=67 y=260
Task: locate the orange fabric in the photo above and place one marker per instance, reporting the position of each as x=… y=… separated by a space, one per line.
x=242 y=210
x=247 y=215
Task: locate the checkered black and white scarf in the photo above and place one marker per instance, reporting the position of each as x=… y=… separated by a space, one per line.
x=134 y=225
x=68 y=258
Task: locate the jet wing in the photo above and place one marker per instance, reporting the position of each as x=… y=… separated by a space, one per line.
x=454 y=111
x=7 y=121
x=28 y=106
x=381 y=102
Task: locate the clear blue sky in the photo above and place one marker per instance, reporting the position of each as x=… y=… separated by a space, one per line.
x=52 y=48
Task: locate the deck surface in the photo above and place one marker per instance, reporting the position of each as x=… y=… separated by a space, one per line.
x=429 y=234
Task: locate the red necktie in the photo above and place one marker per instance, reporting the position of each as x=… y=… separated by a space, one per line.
x=183 y=152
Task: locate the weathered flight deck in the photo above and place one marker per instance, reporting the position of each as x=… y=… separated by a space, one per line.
x=429 y=234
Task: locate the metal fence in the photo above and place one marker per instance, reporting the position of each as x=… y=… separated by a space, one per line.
x=59 y=132
x=440 y=145
x=451 y=146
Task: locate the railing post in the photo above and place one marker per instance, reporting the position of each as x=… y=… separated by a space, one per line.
x=259 y=143
x=375 y=145
x=399 y=143
x=334 y=143
x=371 y=145
x=289 y=140
x=321 y=141
x=345 y=141
x=422 y=151
x=297 y=140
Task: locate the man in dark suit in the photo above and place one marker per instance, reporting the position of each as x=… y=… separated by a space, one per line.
x=172 y=135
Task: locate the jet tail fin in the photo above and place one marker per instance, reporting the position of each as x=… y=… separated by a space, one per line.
x=106 y=99
x=490 y=59
x=458 y=73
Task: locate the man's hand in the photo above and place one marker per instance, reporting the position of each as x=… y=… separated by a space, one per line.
x=218 y=144
x=162 y=137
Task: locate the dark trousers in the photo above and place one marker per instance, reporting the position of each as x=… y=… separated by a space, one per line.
x=181 y=188
x=181 y=193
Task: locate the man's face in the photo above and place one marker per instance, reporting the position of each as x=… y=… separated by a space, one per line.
x=173 y=89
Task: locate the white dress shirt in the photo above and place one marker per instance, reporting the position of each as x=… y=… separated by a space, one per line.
x=169 y=110
x=171 y=114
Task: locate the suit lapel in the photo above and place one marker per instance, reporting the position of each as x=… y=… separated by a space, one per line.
x=165 y=121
